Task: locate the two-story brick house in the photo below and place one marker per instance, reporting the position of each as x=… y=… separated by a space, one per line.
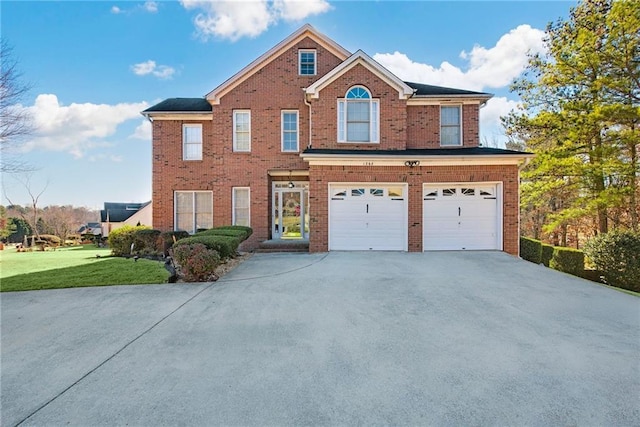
x=310 y=141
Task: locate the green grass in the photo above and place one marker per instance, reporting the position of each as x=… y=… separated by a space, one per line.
x=74 y=267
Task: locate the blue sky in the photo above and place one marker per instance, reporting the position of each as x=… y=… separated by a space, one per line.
x=93 y=66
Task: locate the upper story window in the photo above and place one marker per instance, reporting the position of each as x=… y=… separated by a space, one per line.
x=358 y=116
x=192 y=142
x=290 y=131
x=450 y=125
x=307 y=62
x=242 y=130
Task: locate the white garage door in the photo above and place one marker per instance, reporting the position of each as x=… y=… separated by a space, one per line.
x=368 y=217
x=461 y=216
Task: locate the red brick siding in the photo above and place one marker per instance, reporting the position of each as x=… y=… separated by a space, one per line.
x=423 y=126
x=321 y=176
x=393 y=116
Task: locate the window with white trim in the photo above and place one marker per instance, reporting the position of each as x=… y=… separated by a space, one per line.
x=450 y=125
x=307 y=62
x=241 y=206
x=193 y=210
x=358 y=116
x=192 y=142
x=290 y=131
x=242 y=130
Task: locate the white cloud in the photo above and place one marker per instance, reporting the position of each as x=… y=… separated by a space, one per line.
x=150 y=67
x=150 y=6
x=115 y=10
x=234 y=19
x=487 y=68
x=490 y=125
x=76 y=128
x=142 y=131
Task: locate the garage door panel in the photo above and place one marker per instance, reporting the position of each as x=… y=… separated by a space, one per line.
x=460 y=216
x=368 y=217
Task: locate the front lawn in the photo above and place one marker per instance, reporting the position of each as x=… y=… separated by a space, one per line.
x=74 y=267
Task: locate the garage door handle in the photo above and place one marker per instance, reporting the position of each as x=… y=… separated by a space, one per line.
x=367 y=207
x=459 y=210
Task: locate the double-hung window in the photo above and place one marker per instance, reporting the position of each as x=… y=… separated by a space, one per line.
x=290 y=131
x=242 y=130
x=241 y=206
x=193 y=210
x=358 y=116
x=450 y=125
x=192 y=142
x=307 y=62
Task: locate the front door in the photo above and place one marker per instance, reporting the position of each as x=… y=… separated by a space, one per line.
x=290 y=213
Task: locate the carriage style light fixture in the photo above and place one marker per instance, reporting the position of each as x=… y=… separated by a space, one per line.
x=412 y=163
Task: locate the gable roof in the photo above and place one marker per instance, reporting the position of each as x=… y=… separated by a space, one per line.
x=180 y=105
x=361 y=58
x=242 y=75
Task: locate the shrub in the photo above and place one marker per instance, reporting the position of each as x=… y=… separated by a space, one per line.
x=48 y=239
x=196 y=261
x=617 y=256
x=239 y=234
x=225 y=246
x=547 y=253
x=170 y=237
x=568 y=260
x=147 y=241
x=120 y=239
x=531 y=250
x=247 y=230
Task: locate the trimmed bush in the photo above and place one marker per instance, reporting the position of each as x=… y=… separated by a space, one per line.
x=239 y=234
x=617 y=256
x=531 y=250
x=226 y=246
x=147 y=241
x=568 y=260
x=197 y=263
x=247 y=230
x=547 y=254
x=169 y=237
x=120 y=239
x=48 y=239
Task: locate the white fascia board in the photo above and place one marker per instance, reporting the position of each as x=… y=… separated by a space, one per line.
x=178 y=115
x=376 y=160
x=404 y=90
x=306 y=30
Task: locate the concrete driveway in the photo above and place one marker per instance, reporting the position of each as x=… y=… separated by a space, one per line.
x=449 y=338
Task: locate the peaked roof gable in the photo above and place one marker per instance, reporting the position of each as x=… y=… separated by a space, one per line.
x=360 y=58
x=305 y=31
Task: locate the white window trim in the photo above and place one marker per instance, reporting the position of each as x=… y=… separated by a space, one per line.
x=184 y=140
x=315 y=61
x=193 y=219
x=282 y=133
x=233 y=204
x=460 y=143
x=235 y=147
x=374 y=120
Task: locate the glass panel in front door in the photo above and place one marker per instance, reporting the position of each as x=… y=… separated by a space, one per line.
x=291 y=214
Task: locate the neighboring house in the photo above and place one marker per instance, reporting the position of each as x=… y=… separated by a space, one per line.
x=94 y=228
x=311 y=141
x=115 y=215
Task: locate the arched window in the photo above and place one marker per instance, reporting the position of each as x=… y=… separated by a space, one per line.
x=358 y=116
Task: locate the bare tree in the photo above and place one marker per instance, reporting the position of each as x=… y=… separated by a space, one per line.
x=29 y=215
x=15 y=120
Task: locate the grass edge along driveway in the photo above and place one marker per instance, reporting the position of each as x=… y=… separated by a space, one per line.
x=74 y=267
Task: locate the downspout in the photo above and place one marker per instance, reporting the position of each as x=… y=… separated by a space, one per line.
x=308 y=104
